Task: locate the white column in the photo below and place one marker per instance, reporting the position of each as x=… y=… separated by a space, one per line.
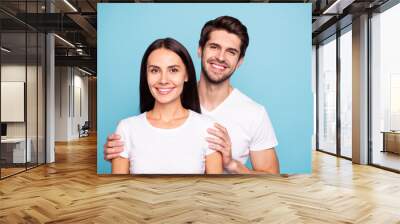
x=360 y=90
x=314 y=92
x=50 y=93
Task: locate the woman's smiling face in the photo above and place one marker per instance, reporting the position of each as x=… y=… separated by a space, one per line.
x=166 y=75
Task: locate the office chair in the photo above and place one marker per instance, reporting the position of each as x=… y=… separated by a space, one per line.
x=84 y=130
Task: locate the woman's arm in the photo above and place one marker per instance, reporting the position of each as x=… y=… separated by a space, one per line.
x=120 y=165
x=214 y=163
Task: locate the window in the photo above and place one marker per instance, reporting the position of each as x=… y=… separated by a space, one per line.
x=385 y=88
x=327 y=96
x=346 y=93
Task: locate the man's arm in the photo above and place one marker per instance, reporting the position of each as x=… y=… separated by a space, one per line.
x=262 y=152
x=263 y=162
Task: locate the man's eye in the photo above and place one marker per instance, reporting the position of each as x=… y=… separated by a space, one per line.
x=233 y=53
x=213 y=47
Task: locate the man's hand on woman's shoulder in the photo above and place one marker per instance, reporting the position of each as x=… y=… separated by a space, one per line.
x=113 y=147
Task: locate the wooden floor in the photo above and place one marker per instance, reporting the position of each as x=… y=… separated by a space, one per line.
x=5 y=172
x=10 y=171
x=70 y=191
x=388 y=159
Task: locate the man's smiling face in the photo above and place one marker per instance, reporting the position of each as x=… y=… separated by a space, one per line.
x=220 y=56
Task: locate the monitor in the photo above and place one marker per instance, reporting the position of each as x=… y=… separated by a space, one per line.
x=3 y=129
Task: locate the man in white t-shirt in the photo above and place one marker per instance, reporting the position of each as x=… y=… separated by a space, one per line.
x=244 y=130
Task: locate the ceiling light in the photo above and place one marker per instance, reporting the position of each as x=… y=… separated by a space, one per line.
x=84 y=71
x=79 y=51
x=337 y=7
x=5 y=50
x=65 y=41
x=70 y=5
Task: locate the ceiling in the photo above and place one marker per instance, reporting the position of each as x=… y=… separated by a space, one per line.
x=76 y=22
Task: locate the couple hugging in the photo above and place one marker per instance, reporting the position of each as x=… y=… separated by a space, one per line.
x=190 y=127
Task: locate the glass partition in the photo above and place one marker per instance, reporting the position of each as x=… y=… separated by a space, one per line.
x=13 y=105
x=22 y=88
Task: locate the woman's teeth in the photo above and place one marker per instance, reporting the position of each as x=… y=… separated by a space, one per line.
x=164 y=91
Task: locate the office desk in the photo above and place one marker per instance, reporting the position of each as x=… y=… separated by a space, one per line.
x=391 y=141
x=16 y=147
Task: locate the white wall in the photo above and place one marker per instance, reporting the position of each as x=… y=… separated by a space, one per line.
x=70 y=84
x=79 y=117
x=62 y=81
x=33 y=127
x=16 y=73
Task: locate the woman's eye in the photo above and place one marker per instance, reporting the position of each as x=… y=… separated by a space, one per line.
x=153 y=70
x=174 y=70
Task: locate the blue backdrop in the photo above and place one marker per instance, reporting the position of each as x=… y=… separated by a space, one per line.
x=276 y=71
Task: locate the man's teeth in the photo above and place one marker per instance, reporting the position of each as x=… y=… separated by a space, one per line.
x=218 y=66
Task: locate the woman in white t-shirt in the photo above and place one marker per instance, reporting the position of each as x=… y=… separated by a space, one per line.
x=169 y=136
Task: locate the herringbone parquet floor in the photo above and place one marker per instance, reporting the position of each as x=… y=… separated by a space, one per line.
x=70 y=191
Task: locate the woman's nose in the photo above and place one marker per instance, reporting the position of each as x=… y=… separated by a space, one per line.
x=163 y=78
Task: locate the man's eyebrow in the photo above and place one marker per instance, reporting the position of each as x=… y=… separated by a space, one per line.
x=230 y=48
x=212 y=43
x=234 y=49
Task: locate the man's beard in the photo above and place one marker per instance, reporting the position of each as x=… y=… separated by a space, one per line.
x=215 y=81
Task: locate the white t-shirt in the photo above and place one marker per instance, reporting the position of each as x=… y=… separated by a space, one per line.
x=247 y=122
x=152 y=150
